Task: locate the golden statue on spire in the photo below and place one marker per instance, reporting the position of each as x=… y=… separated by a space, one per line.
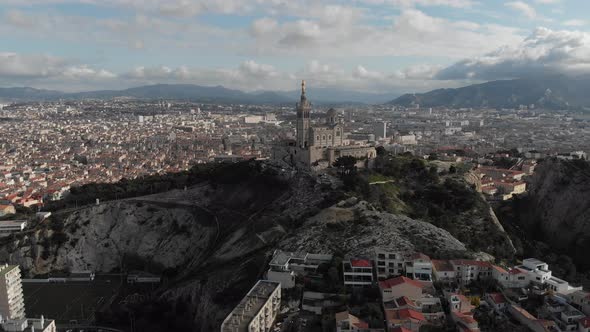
x=302 y=87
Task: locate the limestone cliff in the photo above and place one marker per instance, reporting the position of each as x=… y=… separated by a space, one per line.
x=556 y=209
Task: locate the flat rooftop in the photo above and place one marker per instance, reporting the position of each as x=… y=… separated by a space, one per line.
x=251 y=304
x=6 y=223
x=533 y=261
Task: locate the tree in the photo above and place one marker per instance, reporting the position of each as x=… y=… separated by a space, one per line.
x=381 y=151
x=346 y=164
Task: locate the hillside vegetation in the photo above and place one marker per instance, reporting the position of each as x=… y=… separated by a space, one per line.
x=407 y=185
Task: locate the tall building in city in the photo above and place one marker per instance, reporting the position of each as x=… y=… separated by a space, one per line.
x=319 y=144
x=12 y=304
x=257 y=311
x=303 y=119
x=380 y=130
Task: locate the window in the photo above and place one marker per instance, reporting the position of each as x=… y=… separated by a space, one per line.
x=318 y=138
x=324 y=137
x=329 y=136
x=338 y=133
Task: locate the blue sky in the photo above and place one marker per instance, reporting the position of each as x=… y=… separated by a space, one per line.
x=369 y=45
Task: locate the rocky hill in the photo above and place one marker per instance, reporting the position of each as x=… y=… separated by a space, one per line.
x=554 y=217
x=553 y=92
x=212 y=240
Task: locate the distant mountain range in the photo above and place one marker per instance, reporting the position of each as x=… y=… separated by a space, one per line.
x=551 y=92
x=190 y=92
x=557 y=92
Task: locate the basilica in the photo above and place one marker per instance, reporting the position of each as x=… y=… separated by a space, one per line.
x=318 y=145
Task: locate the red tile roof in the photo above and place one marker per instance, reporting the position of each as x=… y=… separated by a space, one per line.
x=389 y=283
x=499 y=269
x=442 y=266
x=585 y=322
x=360 y=263
x=404 y=300
x=403 y=314
x=419 y=255
x=498 y=298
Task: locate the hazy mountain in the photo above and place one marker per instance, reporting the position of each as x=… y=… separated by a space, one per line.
x=333 y=95
x=556 y=92
x=26 y=93
x=192 y=92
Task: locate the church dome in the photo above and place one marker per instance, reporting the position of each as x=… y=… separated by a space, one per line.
x=331 y=113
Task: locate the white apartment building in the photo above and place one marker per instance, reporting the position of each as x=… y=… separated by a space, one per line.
x=467 y=271
x=257 y=311
x=8 y=227
x=12 y=305
x=537 y=271
x=419 y=267
x=284 y=266
x=29 y=324
x=391 y=264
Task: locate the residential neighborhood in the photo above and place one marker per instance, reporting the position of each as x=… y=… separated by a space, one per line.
x=409 y=291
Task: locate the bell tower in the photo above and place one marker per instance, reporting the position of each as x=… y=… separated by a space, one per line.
x=303 y=118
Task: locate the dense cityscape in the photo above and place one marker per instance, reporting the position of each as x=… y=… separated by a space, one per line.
x=50 y=147
x=294 y=166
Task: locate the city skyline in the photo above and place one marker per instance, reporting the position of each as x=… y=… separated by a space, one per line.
x=392 y=46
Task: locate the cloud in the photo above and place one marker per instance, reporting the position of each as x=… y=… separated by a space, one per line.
x=411 y=33
x=19 y=19
x=545 y=51
x=575 y=23
x=31 y=69
x=525 y=9
x=412 y=3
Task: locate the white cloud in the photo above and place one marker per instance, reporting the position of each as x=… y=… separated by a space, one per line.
x=49 y=71
x=525 y=9
x=412 y=3
x=412 y=33
x=19 y=19
x=545 y=51
x=575 y=23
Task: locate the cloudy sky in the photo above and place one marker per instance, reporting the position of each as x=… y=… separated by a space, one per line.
x=364 y=45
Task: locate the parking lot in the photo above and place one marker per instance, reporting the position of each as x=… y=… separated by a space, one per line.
x=65 y=302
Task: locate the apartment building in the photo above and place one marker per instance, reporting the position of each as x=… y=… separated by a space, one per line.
x=29 y=324
x=415 y=265
x=285 y=266
x=12 y=305
x=257 y=311
x=8 y=227
x=389 y=263
x=357 y=272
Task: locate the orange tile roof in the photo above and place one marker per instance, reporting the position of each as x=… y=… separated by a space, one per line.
x=389 y=283
x=403 y=314
x=442 y=265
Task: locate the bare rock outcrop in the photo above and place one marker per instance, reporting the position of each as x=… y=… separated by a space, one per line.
x=356 y=228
